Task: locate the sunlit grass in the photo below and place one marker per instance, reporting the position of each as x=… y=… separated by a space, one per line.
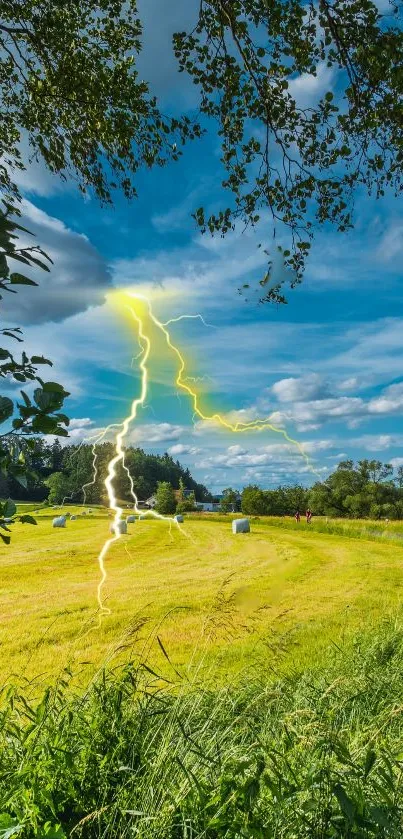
x=288 y=593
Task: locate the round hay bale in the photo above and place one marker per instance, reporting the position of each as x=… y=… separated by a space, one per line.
x=178 y=518
x=241 y=526
x=73 y=518
x=59 y=521
x=130 y=519
x=121 y=528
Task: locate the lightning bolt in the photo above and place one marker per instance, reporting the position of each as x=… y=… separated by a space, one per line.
x=189 y=317
x=120 y=458
x=181 y=383
x=234 y=427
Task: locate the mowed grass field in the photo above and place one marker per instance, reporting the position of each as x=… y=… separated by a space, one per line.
x=285 y=593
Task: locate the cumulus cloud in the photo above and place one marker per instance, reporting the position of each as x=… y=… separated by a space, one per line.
x=311 y=386
x=180 y=449
x=376 y=442
x=158 y=432
x=311 y=413
x=78 y=279
x=308 y=89
x=389 y=402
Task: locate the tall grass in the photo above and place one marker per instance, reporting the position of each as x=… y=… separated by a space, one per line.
x=317 y=755
x=350 y=528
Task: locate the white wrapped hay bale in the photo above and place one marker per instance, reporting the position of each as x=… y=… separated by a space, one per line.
x=130 y=519
x=121 y=528
x=59 y=521
x=241 y=526
x=142 y=518
x=178 y=518
x=73 y=518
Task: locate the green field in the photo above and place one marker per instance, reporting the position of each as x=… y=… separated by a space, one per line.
x=285 y=593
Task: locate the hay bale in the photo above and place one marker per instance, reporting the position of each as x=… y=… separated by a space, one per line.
x=73 y=518
x=142 y=518
x=130 y=519
x=121 y=528
x=59 y=521
x=241 y=526
x=178 y=518
x=84 y=513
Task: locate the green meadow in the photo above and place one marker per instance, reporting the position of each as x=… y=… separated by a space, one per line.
x=284 y=594
x=231 y=687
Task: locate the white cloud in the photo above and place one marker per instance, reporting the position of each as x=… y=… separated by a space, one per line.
x=376 y=442
x=396 y=462
x=390 y=401
x=155 y=433
x=309 y=413
x=390 y=248
x=180 y=449
x=307 y=89
x=352 y=383
x=83 y=422
x=236 y=450
x=311 y=386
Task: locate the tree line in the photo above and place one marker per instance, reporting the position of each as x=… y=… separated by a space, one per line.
x=56 y=472
x=367 y=489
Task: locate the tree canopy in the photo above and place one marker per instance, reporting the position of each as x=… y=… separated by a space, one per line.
x=367 y=489
x=46 y=460
x=69 y=85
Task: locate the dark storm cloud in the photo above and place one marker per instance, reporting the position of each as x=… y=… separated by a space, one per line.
x=78 y=279
x=157 y=63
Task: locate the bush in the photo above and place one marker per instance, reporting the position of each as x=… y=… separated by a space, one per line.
x=165 y=499
x=187 y=505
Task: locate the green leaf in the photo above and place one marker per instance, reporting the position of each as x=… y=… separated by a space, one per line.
x=379 y=817
x=9 y=508
x=54 y=387
x=39 y=263
x=26 y=399
x=6 y=408
x=370 y=759
x=347 y=806
x=40 y=359
x=20 y=279
x=51 y=831
x=28 y=520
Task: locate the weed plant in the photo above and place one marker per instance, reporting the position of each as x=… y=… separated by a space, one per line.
x=317 y=755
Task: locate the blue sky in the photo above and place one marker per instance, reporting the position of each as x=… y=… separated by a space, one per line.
x=327 y=367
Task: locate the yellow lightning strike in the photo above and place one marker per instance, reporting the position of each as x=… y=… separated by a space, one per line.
x=237 y=427
x=188 y=317
x=120 y=458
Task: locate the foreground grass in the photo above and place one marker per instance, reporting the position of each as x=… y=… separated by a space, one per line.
x=287 y=593
x=315 y=756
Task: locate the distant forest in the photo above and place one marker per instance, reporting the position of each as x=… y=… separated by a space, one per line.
x=367 y=489
x=62 y=471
